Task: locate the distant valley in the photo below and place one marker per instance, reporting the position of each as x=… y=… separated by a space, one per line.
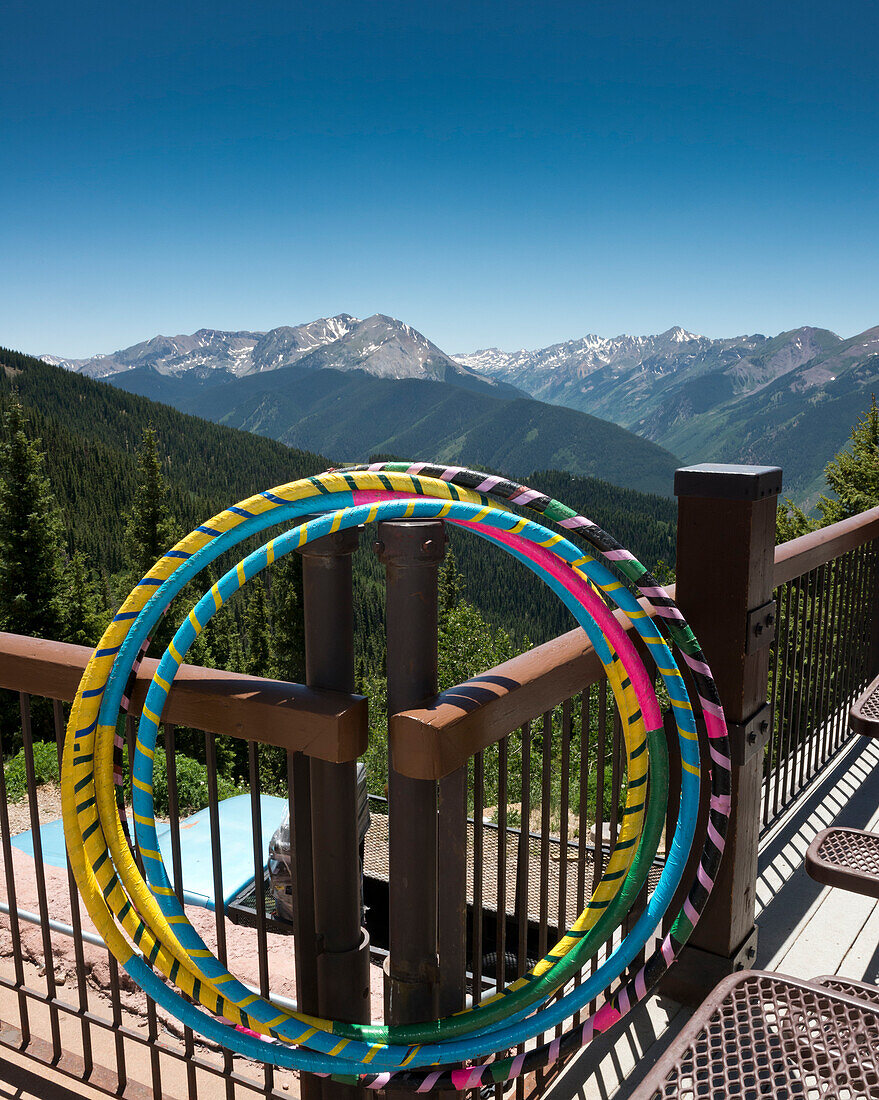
x=355 y=387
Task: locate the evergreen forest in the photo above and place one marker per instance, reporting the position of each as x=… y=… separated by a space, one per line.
x=96 y=483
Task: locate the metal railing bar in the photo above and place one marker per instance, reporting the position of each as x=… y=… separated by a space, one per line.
x=210 y=746
x=39 y=867
x=601 y=734
x=253 y=774
x=75 y=914
x=478 y=857
x=152 y=1018
x=501 y=898
x=15 y=931
x=812 y=750
x=177 y=871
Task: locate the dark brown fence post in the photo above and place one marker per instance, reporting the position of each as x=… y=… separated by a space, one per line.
x=725 y=569
x=411 y=552
x=342 y=944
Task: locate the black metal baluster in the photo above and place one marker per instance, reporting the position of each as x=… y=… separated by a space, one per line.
x=11 y=897
x=39 y=869
x=177 y=873
x=75 y=918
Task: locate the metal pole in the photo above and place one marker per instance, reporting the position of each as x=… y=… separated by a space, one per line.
x=725 y=573
x=342 y=945
x=411 y=551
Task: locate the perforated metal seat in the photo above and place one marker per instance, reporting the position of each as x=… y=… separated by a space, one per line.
x=862 y=991
x=848 y=858
x=864 y=715
x=760 y=1035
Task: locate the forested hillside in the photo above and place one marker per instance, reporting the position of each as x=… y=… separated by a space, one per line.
x=353 y=414
x=91 y=432
x=96 y=483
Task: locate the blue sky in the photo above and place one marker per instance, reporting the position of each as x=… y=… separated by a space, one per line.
x=494 y=173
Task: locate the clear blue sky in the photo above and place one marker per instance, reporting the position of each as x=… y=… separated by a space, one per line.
x=494 y=173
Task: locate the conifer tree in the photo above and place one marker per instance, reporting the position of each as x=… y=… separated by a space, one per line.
x=83 y=609
x=226 y=640
x=32 y=553
x=288 y=624
x=150 y=529
x=256 y=628
x=450 y=583
x=853 y=474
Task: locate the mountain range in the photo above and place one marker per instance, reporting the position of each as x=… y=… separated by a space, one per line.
x=788 y=400
x=382 y=346
x=354 y=388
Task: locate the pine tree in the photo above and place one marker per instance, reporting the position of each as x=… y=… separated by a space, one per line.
x=853 y=474
x=226 y=640
x=32 y=552
x=450 y=584
x=150 y=529
x=288 y=624
x=256 y=628
x=791 y=522
x=84 y=612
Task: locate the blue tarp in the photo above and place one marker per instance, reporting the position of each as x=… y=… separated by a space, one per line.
x=236 y=846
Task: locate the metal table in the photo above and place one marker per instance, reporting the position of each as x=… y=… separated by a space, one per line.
x=759 y=1035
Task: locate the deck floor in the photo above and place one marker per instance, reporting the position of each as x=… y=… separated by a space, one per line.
x=806 y=930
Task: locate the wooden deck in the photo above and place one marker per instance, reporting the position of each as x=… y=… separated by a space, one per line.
x=805 y=929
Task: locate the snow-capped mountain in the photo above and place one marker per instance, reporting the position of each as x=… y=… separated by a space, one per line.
x=627 y=378
x=379 y=345
x=584 y=355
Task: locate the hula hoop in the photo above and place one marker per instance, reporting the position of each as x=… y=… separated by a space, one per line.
x=164 y=675
x=114 y=891
x=157 y=875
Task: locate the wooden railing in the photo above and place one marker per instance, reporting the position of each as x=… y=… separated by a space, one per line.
x=328 y=725
x=519 y=771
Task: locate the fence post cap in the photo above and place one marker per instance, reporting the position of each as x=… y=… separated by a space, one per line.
x=728 y=482
x=411 y=541
x=335 y=544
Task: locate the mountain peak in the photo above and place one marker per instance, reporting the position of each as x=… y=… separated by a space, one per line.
x=679 y=335
x=380 y=345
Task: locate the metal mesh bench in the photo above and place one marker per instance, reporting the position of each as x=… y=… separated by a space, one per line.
x=848 y=858
x=863 y=991
x=759 y=1034
x=864 y=715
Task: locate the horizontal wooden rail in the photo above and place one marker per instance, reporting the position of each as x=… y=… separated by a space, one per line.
x=799 y=556
x=431 y=741
x=329 y=725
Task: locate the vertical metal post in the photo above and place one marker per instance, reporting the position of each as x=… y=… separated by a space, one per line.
x=411 y=551
x=873 y=616
x=304 y=937
x=451 y=902
x=725 y=568
x=342 y=945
